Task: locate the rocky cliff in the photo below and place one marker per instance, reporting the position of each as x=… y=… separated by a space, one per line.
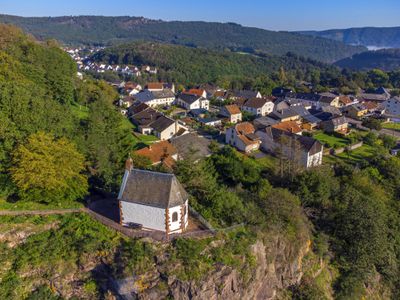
x=278 y=266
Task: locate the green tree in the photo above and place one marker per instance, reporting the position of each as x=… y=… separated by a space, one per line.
x=47 y=170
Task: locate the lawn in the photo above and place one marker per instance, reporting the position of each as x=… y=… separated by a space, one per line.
x=24 y=205
x=331 y=140
x=353 y=157
x=82 y=112
x=393 y=126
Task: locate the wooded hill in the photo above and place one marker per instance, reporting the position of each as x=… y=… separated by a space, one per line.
x=387 y=37
x=386 y=59
x=190 y=66
x=97 y=30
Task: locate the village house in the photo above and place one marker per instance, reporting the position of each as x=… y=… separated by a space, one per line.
x=155 y=86
x=355 y=111
x=258 y=106
x=150 y=121
x=197 y=92
x=242 y=137
x=232 y=112
x=285 y=115
x=160 y=153
x=191 y=146
x=345 y=101
x=305 y=151
x=329 y=99
x=392 y=106
x=244 y=95
x=156 y=97
x=289 y=126
x=214 y=122
x=337 y=124
x=192 y=101
x=155 y=201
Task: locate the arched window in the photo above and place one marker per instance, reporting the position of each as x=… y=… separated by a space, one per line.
x=174 y=217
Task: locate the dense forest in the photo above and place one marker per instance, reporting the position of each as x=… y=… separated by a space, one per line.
x=97 y=30
x=380 y=37
x=386 y=59
x=190 y=67
x=41 y=105
x=61 y=138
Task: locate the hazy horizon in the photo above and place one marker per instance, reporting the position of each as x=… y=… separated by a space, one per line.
x=287 y=15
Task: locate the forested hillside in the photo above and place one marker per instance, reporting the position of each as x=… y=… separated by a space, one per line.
x=386 y=59
x=381 y=37
x=190 y=66
x=42 y=129
x=96 y=30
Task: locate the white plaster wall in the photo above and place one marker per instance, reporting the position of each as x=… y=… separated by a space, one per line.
x=174 y=226
x=150 y=217
x=166 y=134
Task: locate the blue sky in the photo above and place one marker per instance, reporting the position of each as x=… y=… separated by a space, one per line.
x=269 y=14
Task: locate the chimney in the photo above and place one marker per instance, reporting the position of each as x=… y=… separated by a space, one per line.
x=129 y=164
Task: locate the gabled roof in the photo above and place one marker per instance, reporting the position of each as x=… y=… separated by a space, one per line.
x=134 y=109
x=283 y=114
x=289 y=126
x=232 y=109
x=191 y=144
x=162 y=123
x=155 y=85
x=197 y=92
x=153 y=189
x=246 y=94
x=144 y=96
x=307 y=143
x=159 y=151
x=345 y=100
x=256 y=102
x=165 y=93
x=189 y=98
x=244 y=128
x=146 y=117
x=338 y=121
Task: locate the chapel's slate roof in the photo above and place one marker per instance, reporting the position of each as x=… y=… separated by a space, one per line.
x=155 y=189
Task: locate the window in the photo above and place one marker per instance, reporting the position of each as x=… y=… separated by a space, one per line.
x=184 y=210
x=174 y=217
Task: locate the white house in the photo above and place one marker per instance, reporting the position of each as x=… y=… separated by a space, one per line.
x=306 y=151
x=157 y=201
x=392 y=106
x=232 y=112
x=191 y=101
x=258 y=106
x=156 y=98
x=242 y=137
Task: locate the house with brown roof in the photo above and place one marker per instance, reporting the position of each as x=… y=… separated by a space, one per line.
x=289 y=126
x=160 y=153
x=232 y=112
x=345 y=101
x=197 y=92
x=153 y=200
x=155 y=86
x=258 y=106
x=242 y=137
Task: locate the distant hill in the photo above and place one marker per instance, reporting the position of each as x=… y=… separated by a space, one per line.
x=192 y=66
x=113 y=30
x=385 y=59
x=373 y=37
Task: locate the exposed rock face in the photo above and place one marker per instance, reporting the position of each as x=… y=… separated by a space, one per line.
x=278 y=266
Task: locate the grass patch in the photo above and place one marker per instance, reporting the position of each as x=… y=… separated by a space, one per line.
x=82 y=112
x=330 y=140
x=25 y=205
x=392 y=126
x=352 y=157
